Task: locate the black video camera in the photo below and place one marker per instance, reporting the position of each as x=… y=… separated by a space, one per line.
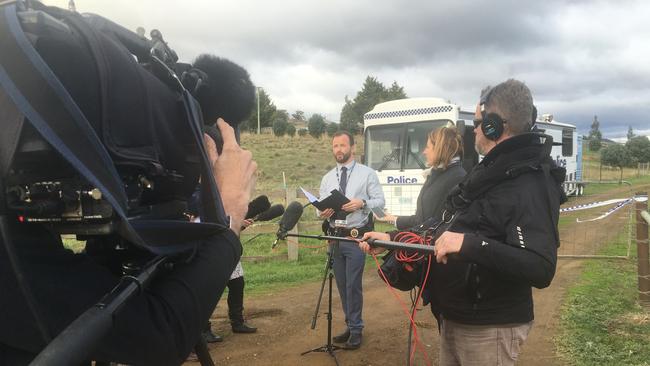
x=114 y=132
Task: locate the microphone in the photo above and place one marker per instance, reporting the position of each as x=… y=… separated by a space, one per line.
x=258 y=206
x=271 y=213
x=288 y=221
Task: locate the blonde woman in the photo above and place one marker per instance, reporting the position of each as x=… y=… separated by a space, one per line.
x=444 y=152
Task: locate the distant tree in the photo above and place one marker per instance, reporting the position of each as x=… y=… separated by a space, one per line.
x=281 y=114
x=595 y=137
x=332 y=128
x=372 y=93
x=303 y=132
x=639 y=148
x=267 y=113
x=316 y=125
x=299 y=116
x=291 y=130
x=280 y=127
x=395 y=92
x=349 y=119
x=630 y=133
x=616 y=155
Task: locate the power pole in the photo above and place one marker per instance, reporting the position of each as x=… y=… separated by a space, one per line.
x=257 y=89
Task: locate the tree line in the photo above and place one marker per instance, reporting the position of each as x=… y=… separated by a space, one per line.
x=351 y=118
x=635 y=150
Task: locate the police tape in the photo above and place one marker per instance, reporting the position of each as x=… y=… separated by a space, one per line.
x=620 y=203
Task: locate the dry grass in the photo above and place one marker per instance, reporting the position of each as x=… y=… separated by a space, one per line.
x=304 y=161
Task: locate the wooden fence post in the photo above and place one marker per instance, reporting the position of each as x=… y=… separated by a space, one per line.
x=292 y=241
x=643 y=253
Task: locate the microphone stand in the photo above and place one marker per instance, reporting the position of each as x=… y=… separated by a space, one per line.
x=328 y=274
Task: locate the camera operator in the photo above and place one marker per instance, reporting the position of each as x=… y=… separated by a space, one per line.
x=502 y=239
x=158 y=327
x=139 y=117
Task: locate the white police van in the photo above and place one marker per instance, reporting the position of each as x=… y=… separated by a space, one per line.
x=396 y=133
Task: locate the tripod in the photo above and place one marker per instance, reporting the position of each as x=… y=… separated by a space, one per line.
x=328 y=274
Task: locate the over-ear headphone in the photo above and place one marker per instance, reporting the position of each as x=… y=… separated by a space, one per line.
x=492 y=125
x=194 y=80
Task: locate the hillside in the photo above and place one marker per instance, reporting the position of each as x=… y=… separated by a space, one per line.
x=304 y=160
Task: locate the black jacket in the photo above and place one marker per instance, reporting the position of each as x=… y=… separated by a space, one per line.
x=431 y=199
x=508 y=208
x=160 y=326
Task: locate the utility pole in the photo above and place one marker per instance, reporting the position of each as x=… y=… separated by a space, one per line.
x=257 y=89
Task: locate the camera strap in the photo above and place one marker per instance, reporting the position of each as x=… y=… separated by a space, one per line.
x=12 y=124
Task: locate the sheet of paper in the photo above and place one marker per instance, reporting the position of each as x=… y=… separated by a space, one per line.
x=310 y=197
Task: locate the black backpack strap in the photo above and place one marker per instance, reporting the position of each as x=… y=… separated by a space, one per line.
x=12 y=125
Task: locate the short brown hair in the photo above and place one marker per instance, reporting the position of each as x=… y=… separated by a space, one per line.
x=344 y=133
x=447 y=144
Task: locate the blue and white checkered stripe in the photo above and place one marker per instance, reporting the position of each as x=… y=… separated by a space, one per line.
x=409 y=112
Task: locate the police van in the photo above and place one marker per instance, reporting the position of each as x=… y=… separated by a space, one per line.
x=396 y=132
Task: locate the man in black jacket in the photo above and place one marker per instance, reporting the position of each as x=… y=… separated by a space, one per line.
x=162 y=323
x=502 y=239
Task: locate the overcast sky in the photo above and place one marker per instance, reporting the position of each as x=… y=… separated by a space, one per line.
x=580 y=58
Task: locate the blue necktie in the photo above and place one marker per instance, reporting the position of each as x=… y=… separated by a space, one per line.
x=344 y=179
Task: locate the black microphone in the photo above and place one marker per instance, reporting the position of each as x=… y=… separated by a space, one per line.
x=271 y=213
x=257 y=206
x=288 y=221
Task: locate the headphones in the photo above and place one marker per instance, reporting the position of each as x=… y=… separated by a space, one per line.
x=492 y=123
x=194 y=80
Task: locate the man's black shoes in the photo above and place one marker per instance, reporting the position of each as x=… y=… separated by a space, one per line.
x=243 y=328
x=342 y=338
x=210 y=337
x=354 y=342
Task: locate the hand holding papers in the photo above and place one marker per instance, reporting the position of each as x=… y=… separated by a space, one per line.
x=334 y=201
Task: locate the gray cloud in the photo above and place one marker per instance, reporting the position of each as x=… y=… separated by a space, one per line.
x=580 y=58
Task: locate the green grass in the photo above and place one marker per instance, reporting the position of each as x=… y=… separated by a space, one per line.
x=601 y=322
x=596 y=188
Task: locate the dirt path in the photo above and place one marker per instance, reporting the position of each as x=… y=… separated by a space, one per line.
x=284 y=321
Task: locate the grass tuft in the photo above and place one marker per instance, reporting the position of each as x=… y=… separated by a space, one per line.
x=602 y=322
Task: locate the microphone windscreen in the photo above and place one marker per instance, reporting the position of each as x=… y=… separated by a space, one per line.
x=257 y=206
x=291 y=216
x=271 y=213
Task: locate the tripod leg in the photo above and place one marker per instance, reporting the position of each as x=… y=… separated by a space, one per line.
x=329 y=347
x=326 y=271
x=201 y=349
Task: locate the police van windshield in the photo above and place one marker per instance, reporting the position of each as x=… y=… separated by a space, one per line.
x=398 y=146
